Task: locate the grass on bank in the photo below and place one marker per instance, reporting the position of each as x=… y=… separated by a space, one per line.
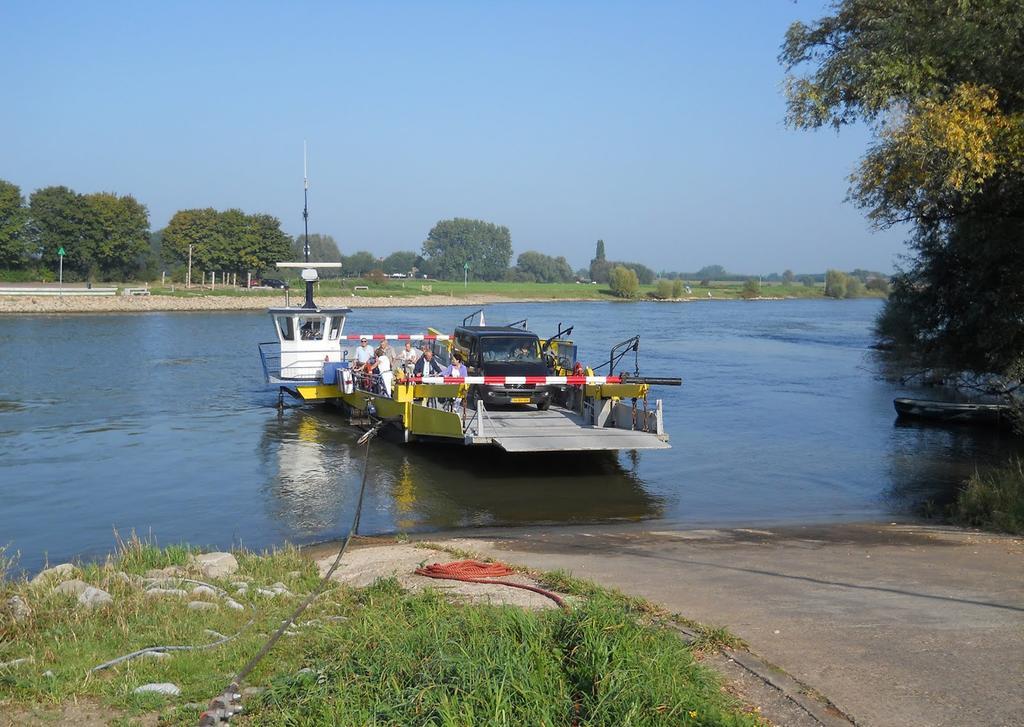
x=446 y=290
x=374 y=656
x=993 y=500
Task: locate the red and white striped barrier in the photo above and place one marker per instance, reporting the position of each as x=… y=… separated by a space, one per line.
x=396 y=337
x=504 y=380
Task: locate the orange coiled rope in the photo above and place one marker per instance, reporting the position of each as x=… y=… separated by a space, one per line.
x=473 y=571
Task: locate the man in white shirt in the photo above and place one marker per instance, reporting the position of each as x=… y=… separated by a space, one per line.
x=408 y=358
x=363 y=354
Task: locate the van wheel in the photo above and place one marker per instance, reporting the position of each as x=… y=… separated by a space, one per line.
x=544 y=405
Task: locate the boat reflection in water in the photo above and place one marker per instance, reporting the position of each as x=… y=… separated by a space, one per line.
x=422 y=488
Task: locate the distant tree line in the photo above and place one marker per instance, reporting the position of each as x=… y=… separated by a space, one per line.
x=104 y=236
x=107 y=237
x=225 y=242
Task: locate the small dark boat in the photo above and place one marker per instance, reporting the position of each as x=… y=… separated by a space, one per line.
x=951 y=412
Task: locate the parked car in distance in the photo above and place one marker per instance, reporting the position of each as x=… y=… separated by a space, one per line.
x=274 y=283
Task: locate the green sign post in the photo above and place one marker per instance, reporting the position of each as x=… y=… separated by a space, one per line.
x=60 y=254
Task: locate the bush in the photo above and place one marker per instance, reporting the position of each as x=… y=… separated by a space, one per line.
x=854 y=288
x=993 y=500
x=624 y=282
x=515 y=275
x=751 y=288
x=807 y=280
x=663 y=290
x=835 y=284
x=878 y=284
x=677 y=288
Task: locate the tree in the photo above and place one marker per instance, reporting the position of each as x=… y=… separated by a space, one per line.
x=600 y=268
x=624 y=282
x=663 y=289
x=200 y=229
x=544 y=268
x=115 y=233
x=854 y=288
x=711 y=272
x=266 y=245
x=807 y=281
x=322 y=248
x=228 y=241
x=14 y=240
x=677 y=288
x=788 y=277
x=942 y=85
x=751 y=288
x=879 y=284
x=359 y=263
x=835 y=284
x=402 y=261
x=57 y=218
x=643 y=273
x=486 y=247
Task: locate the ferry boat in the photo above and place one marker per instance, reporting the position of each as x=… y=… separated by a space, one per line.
x=519 y=392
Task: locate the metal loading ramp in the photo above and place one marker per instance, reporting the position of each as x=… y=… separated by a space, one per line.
x=557 y=430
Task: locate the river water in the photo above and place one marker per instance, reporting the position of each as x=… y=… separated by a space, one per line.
x=160 y=423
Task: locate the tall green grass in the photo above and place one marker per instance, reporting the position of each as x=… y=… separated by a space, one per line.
x=993 y=500
x=421 y=660
x=378 y=656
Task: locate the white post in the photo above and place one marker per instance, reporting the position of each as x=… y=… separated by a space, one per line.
x=248 y=280
x=163 y=278
x=188 y=277
x=61 y=276
x=213 y=280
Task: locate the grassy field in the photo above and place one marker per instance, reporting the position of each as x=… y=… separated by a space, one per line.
x=539 y=291
x=357 y=657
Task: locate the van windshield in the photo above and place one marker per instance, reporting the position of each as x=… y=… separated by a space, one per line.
x=504 y=349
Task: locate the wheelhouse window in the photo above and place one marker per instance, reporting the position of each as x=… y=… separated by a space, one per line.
x=286 y=327
x=311 y=328
x=335 y=331
x=508 y=349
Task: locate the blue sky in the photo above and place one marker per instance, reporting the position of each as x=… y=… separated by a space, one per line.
x=655 y=126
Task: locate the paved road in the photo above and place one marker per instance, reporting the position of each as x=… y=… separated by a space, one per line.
x=896 y=624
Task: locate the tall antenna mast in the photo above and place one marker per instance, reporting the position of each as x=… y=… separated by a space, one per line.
x=305 y=199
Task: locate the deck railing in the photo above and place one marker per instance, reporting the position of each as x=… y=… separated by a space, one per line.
x=273 y=373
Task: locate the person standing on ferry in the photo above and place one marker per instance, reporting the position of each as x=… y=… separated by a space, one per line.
x=383 y=369
x=363 y=354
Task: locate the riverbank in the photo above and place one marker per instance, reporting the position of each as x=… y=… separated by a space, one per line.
x=29 y=305
x=399 y=650
x=43 y=305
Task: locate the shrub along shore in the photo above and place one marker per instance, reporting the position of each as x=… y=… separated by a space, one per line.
x=374 y=655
